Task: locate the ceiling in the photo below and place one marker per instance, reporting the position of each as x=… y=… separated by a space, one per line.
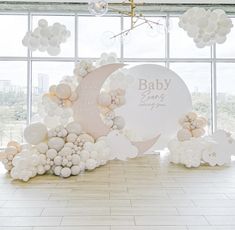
x=141 y=1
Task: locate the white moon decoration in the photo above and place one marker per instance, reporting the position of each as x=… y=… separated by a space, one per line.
x=155 y=101
x=86 y=110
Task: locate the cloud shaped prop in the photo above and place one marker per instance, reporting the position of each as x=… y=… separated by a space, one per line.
x=212 y=150
x=120 y=146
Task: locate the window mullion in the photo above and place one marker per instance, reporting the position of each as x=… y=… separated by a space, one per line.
x=167 y=41
x=121 y=40
x=29 y=76
x=213 y=89
x=76 y=38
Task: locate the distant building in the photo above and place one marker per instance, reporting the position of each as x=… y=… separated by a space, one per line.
x=221 y=97
x=5 y=85
x=43 y=83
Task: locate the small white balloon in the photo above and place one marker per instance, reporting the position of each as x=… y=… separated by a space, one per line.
x=75 y=170
x=56 y=143
x=65 y=172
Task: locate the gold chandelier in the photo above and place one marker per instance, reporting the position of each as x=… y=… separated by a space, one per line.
x=100 y=8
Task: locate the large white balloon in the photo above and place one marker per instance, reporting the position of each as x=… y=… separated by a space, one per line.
x=35 y=133
x=56 y=143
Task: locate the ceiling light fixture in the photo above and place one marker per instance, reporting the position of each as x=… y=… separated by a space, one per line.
x=101 y=7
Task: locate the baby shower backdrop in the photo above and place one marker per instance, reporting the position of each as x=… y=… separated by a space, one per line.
x=114 y=111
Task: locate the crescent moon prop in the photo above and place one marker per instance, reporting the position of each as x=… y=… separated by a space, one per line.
x=85 y=108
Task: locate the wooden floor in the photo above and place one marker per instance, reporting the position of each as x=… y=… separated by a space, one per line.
x=146 y=193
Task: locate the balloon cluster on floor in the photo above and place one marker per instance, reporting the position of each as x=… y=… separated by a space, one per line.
x=206 y=27
x=57 y=143
x=46 y=38
x=192 y=149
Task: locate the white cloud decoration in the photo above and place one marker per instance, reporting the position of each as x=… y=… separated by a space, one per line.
x=206 y=27
x=211 y=150
x=120 y=146
x=46 y=38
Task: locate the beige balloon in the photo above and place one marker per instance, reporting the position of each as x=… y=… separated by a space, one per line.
x=86 y=110
x=3 y=155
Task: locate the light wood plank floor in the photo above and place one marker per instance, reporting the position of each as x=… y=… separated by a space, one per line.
x=146 y=193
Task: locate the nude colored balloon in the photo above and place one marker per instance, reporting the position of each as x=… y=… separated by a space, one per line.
x=63 y=91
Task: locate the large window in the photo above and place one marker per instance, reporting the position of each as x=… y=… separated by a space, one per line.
x=24 y=76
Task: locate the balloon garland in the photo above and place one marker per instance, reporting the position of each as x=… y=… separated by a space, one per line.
x=57 y=144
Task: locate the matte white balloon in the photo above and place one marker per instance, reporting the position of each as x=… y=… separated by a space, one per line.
x=74 y=127
x=56 y=143
x=75 y=170
x=35 y=133
x=65 y=172
x=51 y=153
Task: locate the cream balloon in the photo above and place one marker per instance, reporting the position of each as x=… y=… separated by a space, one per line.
x=86 y=110
x=3 y=155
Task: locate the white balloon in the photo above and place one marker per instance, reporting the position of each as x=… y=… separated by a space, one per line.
x=58 y=160
x=51 y=153
x=42 y=147
x=56 y=143
x=53 y=50
x=57 y=170
x=74 y=127
x=65 y=172
x=75 y=170
x=75 y=159
x=43 y=23
x=35 y=133
x=91 y=164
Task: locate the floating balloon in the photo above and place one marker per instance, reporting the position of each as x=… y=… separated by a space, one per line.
x=46 y=38
x=206 y=27
x=98 y=7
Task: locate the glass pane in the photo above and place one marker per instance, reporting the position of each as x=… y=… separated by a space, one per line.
x=226 y=97
x=144 y=42
x=94 y=36
x=13 y=96
x=181 y=45
x=67 y=48
x=227 y=49
x=13 y=29
x=46 y=74
x=197 y=77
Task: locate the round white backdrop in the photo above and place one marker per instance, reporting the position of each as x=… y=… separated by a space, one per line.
x=155 y=100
